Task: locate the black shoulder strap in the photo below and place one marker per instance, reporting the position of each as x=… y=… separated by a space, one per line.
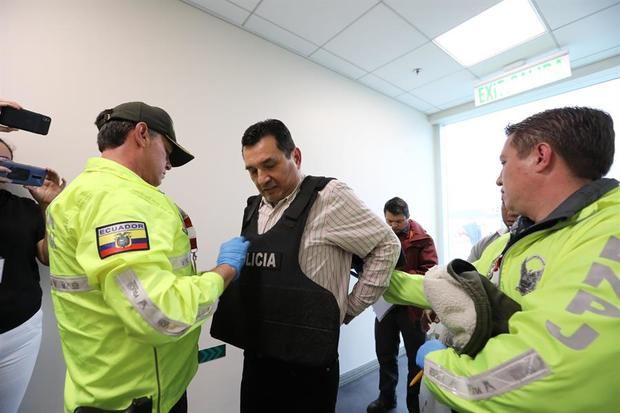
x=250 y=210
x=307 y=192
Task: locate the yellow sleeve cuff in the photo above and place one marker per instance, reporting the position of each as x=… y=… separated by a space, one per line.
x=406 y=289
x=216 y=279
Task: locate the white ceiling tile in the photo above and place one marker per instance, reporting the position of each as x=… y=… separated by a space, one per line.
x=560 y=12
x=279 y=36
x=614 y=51
x=221 y=8
x=246 y=4
x=446 y=89
x=337 y=64
x=381 y=85
x=417 y=103
x=436 y=17
x=541 y=45
x=376 y=38
x=314 y=20
x=433 y=61
x=591 y=35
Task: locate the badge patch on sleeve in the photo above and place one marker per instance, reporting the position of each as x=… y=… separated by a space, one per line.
x=122 y=237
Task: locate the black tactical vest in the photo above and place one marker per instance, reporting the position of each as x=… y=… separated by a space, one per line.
x=274 y=309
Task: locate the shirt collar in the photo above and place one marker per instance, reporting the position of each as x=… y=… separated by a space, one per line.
x=286 y=200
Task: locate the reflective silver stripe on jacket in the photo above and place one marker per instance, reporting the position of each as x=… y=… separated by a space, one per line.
x=205 y=311
x=508 y=376
x=137 y=296
x=181 y=261
x=70 y=283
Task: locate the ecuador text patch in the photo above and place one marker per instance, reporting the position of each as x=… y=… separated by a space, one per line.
x=122 y=237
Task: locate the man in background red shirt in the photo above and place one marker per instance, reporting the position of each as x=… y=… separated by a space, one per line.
x=420 y=255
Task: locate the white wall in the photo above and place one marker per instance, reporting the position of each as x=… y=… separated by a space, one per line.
x=71 y=59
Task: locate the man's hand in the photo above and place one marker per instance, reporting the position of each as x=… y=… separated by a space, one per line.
x=425 y=349
x=13 y=105
x=428 y=317
x=4 y=170
x=233 y=252
x=50 y=189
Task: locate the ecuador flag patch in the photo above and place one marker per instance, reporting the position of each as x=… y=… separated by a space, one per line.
x=122 y=237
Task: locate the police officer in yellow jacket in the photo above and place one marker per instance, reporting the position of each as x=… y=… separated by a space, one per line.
x=560 y=267
x=127 y=296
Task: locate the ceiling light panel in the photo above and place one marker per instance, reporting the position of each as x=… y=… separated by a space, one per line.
x=436 y=17
x=495 y=30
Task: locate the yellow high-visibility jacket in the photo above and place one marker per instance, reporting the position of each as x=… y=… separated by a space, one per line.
x=126 y=297
x=561 y=353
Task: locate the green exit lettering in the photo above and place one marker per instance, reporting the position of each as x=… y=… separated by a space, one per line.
x=522 y=80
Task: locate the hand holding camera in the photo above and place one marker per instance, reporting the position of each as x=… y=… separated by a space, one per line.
x=51 y=187
x=4 y=104
x=14 y=117
x=21 y=174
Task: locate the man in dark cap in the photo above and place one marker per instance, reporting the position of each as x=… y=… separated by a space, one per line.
x=127 y=296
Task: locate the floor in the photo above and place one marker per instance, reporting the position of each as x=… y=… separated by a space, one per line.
x=355 y=396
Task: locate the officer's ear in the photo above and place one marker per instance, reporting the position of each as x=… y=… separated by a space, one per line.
x=543 y=156
x=140 y=134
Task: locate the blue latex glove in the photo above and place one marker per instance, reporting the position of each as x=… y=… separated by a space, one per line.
x=428 y=347
x=232 y=252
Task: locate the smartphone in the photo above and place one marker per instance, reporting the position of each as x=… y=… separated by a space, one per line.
x=25 y=120
x=24 y=174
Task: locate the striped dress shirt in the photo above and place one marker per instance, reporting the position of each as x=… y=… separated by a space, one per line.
x=339 y=225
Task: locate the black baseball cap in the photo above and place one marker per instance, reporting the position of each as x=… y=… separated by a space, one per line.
x=156 y=119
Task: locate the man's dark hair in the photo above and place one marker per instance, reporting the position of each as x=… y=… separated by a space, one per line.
x=396 y=206
x=269 y=127
x=112 y=133
x=8 y=147
x=583 y=137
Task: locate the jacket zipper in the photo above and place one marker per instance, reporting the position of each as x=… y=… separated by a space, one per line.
x=158 y=384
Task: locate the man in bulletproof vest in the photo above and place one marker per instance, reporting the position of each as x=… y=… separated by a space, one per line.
x=287 y=307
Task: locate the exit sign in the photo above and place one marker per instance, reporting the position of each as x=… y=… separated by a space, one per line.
x=523 y=78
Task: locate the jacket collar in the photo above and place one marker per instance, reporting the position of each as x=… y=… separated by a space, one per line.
x=580 y=199
x=414 y=232
x=115 y=168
